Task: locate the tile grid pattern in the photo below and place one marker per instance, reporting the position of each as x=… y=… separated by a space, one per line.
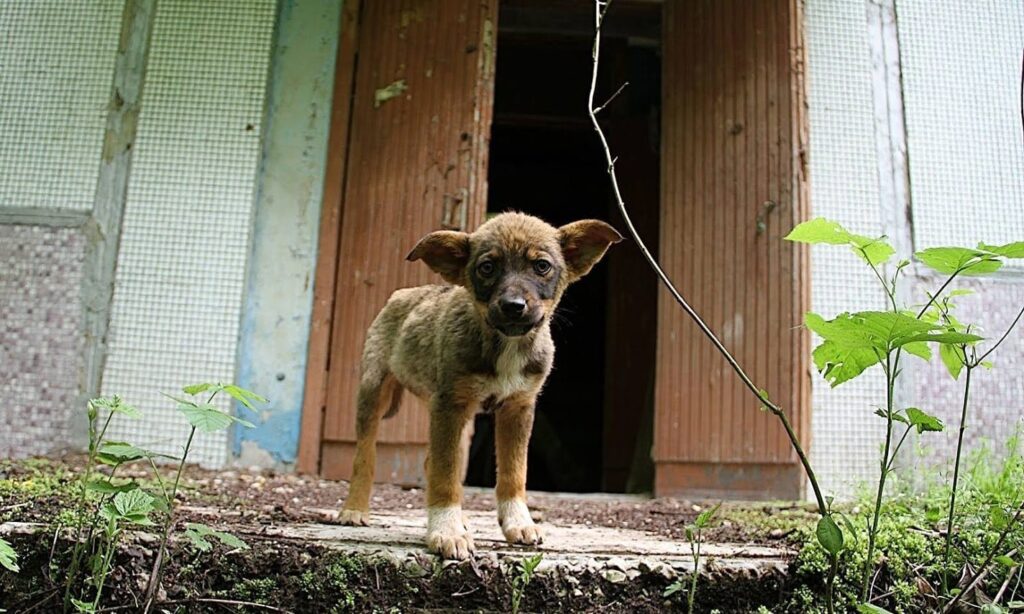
x=185 y=240
x=40 y=340
x=56 y=65
x=844 y=187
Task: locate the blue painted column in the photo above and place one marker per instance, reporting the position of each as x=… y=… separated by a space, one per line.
x=279 y=286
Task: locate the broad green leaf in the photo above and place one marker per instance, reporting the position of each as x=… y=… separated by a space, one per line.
x=1010 y=250
x=870 y=608
x=8 y=557
x=829 y=535
x=819 y=230
x=949 y=260
x=1015 y=605
x=923 y=421
x=706 y=516
x=116 y=405
x=919 y=349
x=243 y=396
x=953 y=357
x=896 y=416
x=942 y=337
x=82 y=606
x=133 y=503
x=1005 y=560
x=197 y=534
x=872 y=251
x=838 y=365
x=205 y=418
x=992 y=608
x=855 y=341
x=998 y=518
x=107 y=488
x=672 y=589
x=197 y=388
x=123 y=451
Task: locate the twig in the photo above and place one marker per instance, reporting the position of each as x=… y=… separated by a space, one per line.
x=777 y=411
x=611 y=98
x=1021 y=312
x=249 y=604
x=1002 y=589
x=983 y=568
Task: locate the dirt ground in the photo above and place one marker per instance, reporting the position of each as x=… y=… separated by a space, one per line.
x=268 y=497
x=299 y=561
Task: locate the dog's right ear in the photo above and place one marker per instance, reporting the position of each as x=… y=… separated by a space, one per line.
x=445 y=252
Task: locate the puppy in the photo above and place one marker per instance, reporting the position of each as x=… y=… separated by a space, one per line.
x=483 y=343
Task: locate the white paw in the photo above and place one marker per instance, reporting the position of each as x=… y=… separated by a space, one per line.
x=447 y=534
x=354 y=517
x=516 y=523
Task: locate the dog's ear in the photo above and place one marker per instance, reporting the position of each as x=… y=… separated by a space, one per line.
x=445 y=252
x=583 y=244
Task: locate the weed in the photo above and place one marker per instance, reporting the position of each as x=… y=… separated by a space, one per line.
x=519 y=582
x=105 y=506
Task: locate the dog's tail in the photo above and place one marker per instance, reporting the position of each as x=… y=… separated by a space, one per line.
x=396 y=400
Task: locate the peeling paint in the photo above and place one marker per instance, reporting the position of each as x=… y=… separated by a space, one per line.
x=278 y=302
x=388 y=92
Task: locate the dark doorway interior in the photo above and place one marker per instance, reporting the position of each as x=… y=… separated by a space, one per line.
x=593 y=425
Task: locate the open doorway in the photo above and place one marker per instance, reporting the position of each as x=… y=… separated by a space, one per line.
x=594 y=417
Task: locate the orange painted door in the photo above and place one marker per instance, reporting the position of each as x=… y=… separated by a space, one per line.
x=416 y=161
x=733 y=184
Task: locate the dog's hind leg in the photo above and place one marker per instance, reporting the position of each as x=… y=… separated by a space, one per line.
x=377 y=398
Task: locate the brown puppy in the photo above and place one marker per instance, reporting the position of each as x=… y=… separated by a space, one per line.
x=482 y=344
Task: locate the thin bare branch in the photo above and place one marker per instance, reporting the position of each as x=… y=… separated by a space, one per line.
x=600 y=8
x=611 y=98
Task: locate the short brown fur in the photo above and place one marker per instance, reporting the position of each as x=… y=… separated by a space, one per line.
x=482 y=344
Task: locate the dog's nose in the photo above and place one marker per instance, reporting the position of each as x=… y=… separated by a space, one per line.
x=513 y=307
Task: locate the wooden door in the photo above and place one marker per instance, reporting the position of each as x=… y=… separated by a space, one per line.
x=415 y=161
x=733 y=184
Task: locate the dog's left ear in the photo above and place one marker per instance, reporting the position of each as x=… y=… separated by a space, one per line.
x=584 y=243
x=445 y=252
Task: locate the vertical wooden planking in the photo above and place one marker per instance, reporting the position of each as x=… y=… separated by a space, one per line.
x=732 y=186
x=415 y=161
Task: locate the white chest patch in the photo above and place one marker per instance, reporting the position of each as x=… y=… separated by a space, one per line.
x=509 y=368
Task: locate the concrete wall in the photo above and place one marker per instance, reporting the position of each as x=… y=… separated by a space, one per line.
x=915 y=134
x=279 y=286
x=214 y=236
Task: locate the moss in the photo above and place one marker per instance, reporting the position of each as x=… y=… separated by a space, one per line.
x=257 y=590
x=911 y=540
x=334 y=582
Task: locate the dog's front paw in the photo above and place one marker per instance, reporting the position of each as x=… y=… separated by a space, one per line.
x=455 y=546
x=447 y=534
x=354 y=518
x=529 y=534
x=516 y=523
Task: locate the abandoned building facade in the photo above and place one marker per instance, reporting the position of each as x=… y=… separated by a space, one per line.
x=226 y=190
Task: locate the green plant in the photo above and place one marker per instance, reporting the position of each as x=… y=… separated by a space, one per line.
x=8 y=557
x=105 y=506
x=694 y=535
x=519 y=582
x=854 y=342
x=205 y=417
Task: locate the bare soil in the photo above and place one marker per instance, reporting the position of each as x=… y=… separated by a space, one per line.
x=298 y=576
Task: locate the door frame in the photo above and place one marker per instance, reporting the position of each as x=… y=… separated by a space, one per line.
x=314 y=398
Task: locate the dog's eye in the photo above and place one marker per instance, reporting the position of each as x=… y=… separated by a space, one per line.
x=542 y=267
x=485 y=269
